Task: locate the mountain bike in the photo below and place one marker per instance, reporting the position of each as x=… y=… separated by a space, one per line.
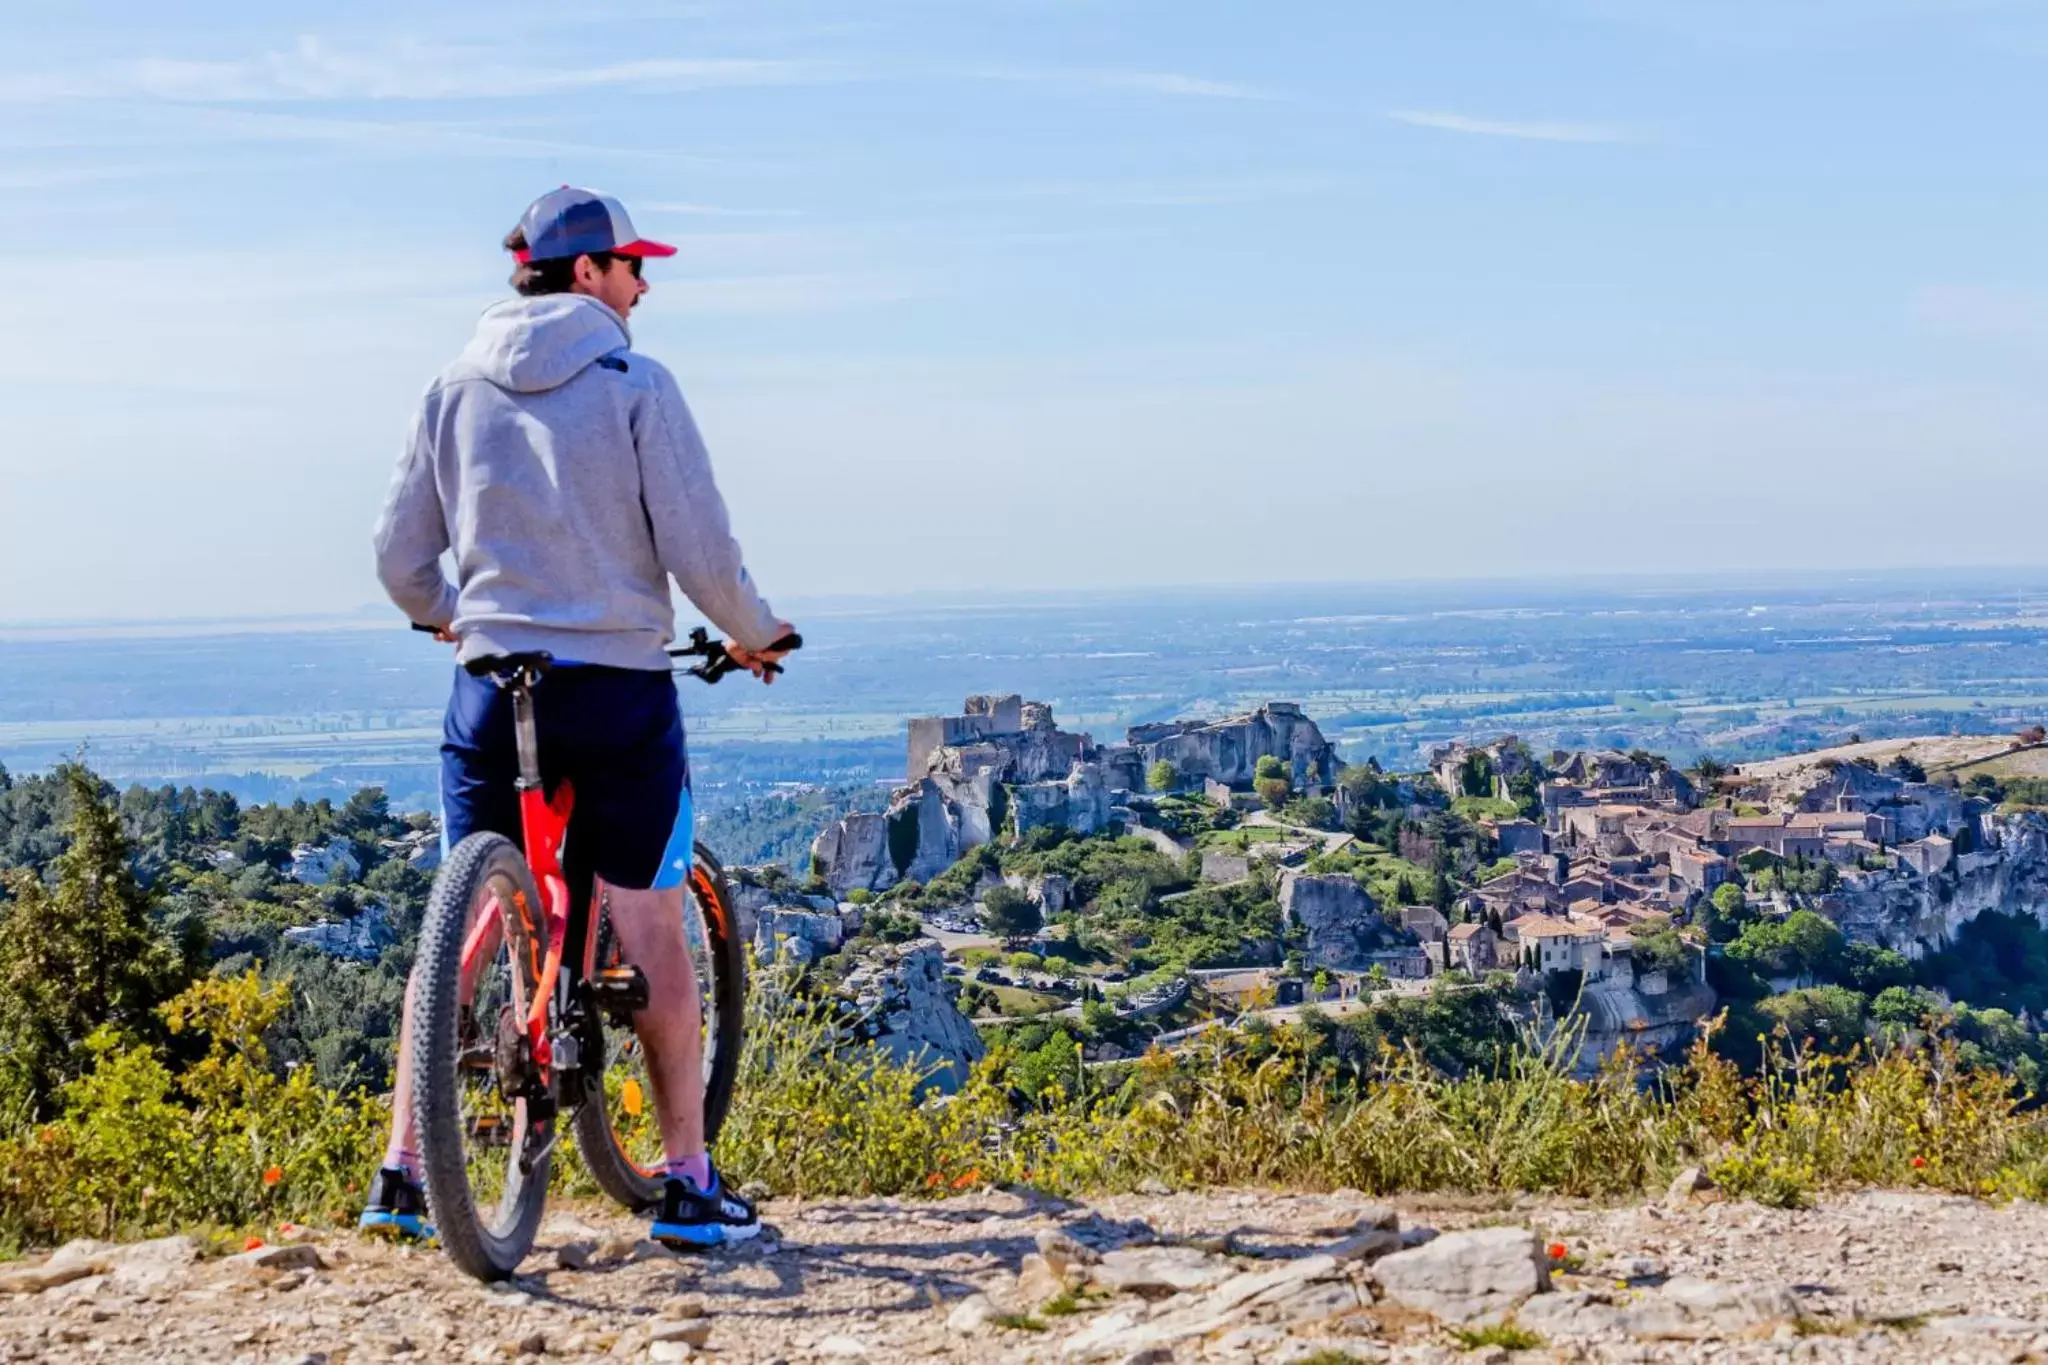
x=522 y=1020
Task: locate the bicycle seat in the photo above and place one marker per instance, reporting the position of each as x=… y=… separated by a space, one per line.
x=537 y=662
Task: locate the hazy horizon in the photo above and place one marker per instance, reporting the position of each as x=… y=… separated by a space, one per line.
x=1432 y=593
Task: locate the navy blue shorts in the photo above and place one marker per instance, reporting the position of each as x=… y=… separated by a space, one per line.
x=615 y=733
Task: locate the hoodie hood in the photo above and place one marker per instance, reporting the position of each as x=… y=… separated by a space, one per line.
x=532 y=345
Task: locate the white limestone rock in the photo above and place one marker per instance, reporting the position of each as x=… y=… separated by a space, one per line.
x=1483 y=1274
x=1343 y=924
x=1691 y=1309
x=909 y=1007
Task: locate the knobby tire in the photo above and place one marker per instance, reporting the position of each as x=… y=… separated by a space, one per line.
x=493 y=1250
x=616 y=1173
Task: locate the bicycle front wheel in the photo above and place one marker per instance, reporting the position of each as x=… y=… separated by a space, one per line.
x=616 y=1126
x=485 y=1109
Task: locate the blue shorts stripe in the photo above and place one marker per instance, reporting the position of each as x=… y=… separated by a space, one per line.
x=682 y=844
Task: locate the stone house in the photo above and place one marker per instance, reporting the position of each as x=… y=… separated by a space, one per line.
x=1474 y=948
x=1556 y=943
x=1700 y=869
x=1426 y=922
x=1515 y=836
x=1928 y=856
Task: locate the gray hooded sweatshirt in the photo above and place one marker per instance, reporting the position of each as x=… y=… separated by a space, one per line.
x=565 y=472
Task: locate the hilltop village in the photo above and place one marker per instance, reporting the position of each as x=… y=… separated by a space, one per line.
x=1029 y=885
x=1603 y=884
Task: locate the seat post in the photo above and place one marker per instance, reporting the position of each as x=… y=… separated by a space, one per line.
x=525 y=733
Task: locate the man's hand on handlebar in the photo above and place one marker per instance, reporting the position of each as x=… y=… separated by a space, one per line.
x=757 y=661
x=441 y=633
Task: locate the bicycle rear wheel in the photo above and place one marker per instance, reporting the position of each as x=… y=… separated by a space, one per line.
x=485 y=1109
x=616 y=1126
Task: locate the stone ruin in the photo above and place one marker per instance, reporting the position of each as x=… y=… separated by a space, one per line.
x=1228 y=750
x=1002 y=763
x=1003 y=766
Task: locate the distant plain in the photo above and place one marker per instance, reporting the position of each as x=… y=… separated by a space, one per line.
x=1741 y=669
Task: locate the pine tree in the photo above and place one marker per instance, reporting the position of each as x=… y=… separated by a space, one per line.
x=76 y=955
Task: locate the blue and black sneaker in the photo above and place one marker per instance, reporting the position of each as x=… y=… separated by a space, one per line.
x=693 y=1219
x=398 y=1207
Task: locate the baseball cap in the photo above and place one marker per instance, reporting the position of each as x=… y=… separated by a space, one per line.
x=574 y=222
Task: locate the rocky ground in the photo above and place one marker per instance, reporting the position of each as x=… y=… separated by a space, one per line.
x=1170 y=1277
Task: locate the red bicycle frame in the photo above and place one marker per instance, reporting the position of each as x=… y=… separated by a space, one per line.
x=544 y=824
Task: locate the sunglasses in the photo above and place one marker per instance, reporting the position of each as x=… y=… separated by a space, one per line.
x=632 y=264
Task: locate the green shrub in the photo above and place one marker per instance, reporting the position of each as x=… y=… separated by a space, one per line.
x=141 y=1147
x=144 y=1144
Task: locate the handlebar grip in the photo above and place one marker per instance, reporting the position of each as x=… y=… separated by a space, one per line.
x=788 y=644
x=426 y=630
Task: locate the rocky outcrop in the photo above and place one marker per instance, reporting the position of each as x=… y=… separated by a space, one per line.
x=1228 y=751
x=316 y=866
x=910 y=1009
x=360 y=938
x=1342 y=923
x=853 y=853
x=798 y=935
x=1002 y=765
x=1049 y=891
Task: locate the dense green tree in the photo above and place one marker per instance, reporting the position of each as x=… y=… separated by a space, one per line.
x=1162 y=776
x=1904 y=1007
x=1724 y=913
x=78 y=954
x=1660 y=950
x=1008 y=913
x=1829 y=1016
x=1801 y=944
x=1271 y=782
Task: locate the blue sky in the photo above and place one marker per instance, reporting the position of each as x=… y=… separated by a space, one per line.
x=1060 y=293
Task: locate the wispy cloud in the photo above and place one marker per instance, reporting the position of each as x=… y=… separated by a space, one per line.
x=314 y=69
x=402 y=137
x=1142 y=82
x=1532 y=132
x=1161 y=193
x=1981 y=310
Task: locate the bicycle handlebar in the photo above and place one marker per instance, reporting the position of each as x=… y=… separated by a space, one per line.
x=717 y=662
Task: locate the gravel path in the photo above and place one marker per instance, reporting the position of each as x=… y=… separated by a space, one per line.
x=1214 y=1276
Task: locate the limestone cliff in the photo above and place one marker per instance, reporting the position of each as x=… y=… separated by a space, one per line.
x=1341 y=923
x=1228 y=751
x=908 y=1008
x=1916 y=911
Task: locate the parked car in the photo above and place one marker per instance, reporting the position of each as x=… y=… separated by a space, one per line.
x=989 y=975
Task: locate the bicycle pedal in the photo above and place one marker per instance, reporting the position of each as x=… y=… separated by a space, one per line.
x=620 y=990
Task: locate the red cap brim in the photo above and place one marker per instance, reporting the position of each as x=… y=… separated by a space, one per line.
x=642 y=248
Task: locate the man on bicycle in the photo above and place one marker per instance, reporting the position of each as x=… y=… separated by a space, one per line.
x=564 y=472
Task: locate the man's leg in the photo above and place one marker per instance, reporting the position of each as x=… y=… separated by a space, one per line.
x=476 y=793
x=402 y=1152
x=650 y=929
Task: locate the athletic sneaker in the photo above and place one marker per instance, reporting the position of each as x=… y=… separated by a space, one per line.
x=398 y=1206
x=691 y=1218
